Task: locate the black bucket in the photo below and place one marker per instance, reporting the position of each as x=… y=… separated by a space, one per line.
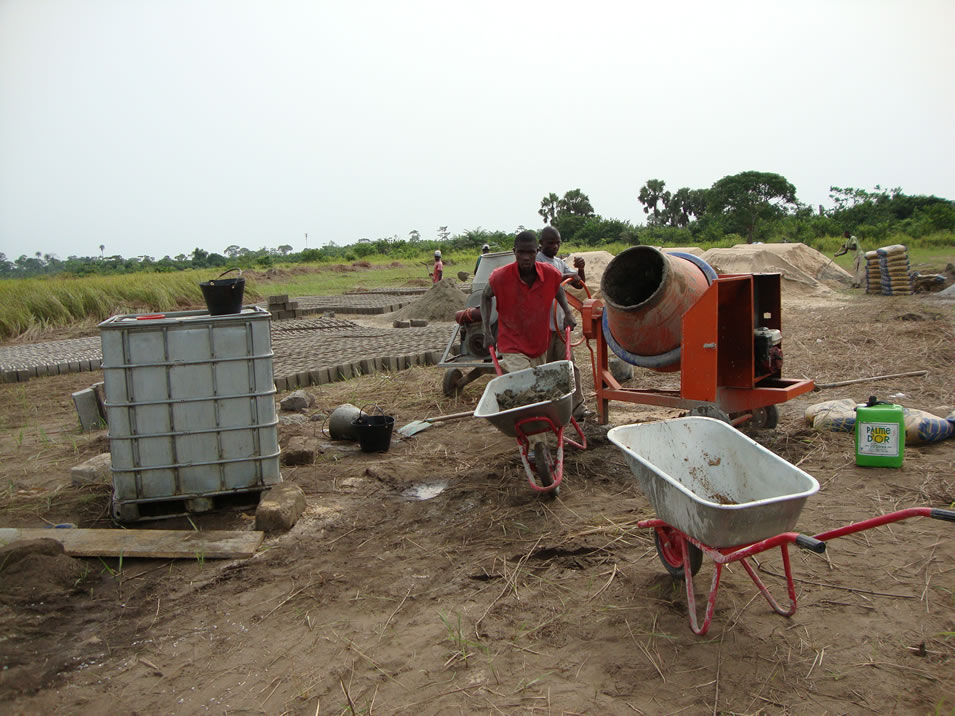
x=374 y=431
x=223 y=295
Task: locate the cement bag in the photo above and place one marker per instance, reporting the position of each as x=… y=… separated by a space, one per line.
x=922 y=427
x=838 y=416
x=893 y=250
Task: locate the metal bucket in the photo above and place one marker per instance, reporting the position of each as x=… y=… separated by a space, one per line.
x=646 y=293
x=340 y=422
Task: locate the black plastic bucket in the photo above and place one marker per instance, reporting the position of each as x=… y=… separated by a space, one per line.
x=374 y=432
x=223 y=295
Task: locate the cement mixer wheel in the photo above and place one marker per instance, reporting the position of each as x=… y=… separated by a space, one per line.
x=766 y=418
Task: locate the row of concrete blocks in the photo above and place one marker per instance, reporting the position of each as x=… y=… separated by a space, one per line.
x=345 y=371
x=22 y=375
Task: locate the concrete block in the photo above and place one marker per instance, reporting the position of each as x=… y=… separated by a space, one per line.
x=94 y=471
x=343 y=371
x=402 y=324
x=279 y=508
x=280 y=383
x=87 y=407
x=418 y=323
x=278 y=299
x=298 y=452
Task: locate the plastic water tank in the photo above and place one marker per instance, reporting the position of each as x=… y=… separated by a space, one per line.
x=191 y=409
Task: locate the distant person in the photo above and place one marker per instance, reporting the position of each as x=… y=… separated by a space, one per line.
x=557 y=350
x=486 y=249
x=525 y=291
x=851 y=243
x=438 y=272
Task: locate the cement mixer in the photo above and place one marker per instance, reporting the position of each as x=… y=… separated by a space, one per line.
x=672 y=312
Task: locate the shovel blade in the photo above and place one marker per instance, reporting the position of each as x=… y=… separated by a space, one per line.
x=414 y=427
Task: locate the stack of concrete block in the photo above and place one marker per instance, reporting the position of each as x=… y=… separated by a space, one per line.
x=281 y=308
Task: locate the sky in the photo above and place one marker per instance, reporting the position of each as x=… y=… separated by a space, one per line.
x=157 y=127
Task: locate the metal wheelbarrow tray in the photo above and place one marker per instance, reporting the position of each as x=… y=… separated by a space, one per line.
x=717 y=492
x=547 y=377
x=713 y=483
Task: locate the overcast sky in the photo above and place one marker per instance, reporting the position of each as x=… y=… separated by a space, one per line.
x=158 y=126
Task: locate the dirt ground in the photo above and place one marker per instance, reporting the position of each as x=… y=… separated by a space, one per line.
x=485 y=598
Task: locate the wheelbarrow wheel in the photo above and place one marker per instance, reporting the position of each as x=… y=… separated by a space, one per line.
x=449 y=385
x=542 y=467
x=669 y=544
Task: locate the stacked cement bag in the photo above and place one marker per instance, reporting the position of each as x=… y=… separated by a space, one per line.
x=895 y=273
x=873 y=274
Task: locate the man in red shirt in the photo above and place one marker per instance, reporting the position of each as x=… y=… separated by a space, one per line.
x=438 y=268
x=525 y=291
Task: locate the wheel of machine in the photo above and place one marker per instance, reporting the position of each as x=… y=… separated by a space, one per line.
x=450 y=383
x=766 y=418
x=708 y=410
x=669 y=544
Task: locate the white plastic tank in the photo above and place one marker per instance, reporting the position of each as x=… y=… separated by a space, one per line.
x=191 y=409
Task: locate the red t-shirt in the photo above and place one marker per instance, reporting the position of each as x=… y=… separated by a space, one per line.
x=438 y=271
x=523 y=311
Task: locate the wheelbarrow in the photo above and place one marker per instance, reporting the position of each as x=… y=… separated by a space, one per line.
x=521 y=421
x=719 y=493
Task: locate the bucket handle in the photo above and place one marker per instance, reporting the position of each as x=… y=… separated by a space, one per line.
x=230 y=271
x=362 y=410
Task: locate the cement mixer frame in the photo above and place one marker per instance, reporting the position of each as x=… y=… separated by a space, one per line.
x=719 y=376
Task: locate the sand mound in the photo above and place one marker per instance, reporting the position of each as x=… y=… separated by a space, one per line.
x=596 y=264
x=35 y=571
x=440 y=303
x=695 y=250
x=801 y=266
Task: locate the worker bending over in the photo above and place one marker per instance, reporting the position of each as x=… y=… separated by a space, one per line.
x=525 y=291
x=851 y=243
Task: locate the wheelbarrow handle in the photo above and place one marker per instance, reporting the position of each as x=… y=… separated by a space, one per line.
x=939 y=514
x=811 y=543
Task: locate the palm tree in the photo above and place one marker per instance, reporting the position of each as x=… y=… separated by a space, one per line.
x=102 y=248
x=549 y=207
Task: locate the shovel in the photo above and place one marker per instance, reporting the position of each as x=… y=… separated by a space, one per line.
x=416 y=426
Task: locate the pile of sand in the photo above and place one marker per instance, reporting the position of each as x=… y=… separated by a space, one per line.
x=594 y=267
x=440 y=303
x=695 y=250
x=801 y=266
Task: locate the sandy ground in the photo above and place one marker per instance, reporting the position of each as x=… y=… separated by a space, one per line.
x=485 y=598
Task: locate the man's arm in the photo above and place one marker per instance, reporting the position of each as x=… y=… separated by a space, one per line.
x=579 y=265
x=561 y=297
x=486 y=297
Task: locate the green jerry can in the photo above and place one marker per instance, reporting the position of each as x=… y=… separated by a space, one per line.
x=880 y=434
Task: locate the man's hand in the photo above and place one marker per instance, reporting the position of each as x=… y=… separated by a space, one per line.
x=569 y=322
x=579 y=262
x=489 y=341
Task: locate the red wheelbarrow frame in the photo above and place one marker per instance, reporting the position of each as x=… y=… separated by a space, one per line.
x=673 y=540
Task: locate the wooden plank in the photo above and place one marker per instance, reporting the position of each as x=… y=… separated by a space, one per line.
x=160 y=544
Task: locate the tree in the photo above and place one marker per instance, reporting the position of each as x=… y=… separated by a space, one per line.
x=747 y=198
x=102 y=248
x=684 y=204
x=550 y=205
x=231 y=251
x=414 y=236
x=443 y=233
x=576 y=203
x=651 y=195
x=285 y=249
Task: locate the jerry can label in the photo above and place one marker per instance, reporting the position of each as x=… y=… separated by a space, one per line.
x=880 y=439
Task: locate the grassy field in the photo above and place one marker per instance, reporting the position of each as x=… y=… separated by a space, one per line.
x=32 y=306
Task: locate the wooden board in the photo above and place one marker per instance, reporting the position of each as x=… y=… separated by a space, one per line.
x=161 y=544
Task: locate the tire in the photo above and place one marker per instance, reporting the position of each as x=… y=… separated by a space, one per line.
x=709 y=410
x=542 y=468
x=669 y=549
x=450 y=383
x=766 y=418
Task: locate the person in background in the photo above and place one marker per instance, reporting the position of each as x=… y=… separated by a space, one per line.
x=525 y=291
x=438 y=268
x=851 y=243
x=486 y=249
x=557 y=350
